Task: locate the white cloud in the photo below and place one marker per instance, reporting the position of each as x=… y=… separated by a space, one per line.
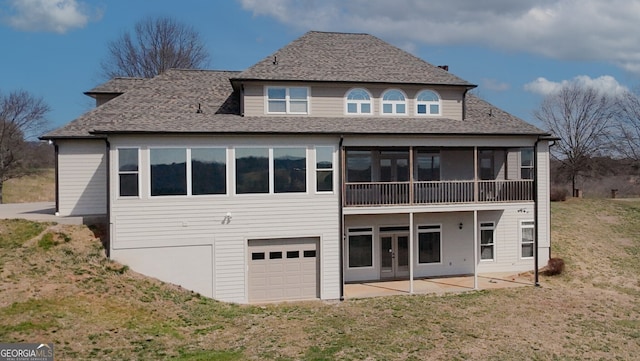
x=605 y=83
x=48 y=15
x=495 y=85
x=600 y=30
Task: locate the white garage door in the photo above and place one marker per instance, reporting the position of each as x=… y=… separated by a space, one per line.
x=283 y=269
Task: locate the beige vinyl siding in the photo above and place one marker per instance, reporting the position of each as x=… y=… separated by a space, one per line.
x=513 y=163
x=507 y=240
x=328 y=100
x=195 y=221
x=82 y=177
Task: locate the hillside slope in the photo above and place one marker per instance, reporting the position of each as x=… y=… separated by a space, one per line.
x=57 y=286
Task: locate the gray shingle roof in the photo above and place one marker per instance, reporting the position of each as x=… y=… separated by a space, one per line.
x=116 y=86
x=169 y=102
x=320 y=56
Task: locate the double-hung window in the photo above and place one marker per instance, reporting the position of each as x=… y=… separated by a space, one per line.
x=526 y=163
x=324 y=169
x=288 y=100
x=527 y=230
x=128 y=171
x=487 y=241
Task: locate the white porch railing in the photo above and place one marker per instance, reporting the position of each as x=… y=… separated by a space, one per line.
x=437 y=192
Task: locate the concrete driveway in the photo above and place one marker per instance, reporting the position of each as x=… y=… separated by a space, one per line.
x=41 y=211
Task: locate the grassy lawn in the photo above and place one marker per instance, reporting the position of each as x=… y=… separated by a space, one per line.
x=57 y=286
x=37 y=187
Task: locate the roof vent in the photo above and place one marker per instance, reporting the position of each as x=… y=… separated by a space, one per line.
x=275 y=60
x=199 y=110
x=444 y=67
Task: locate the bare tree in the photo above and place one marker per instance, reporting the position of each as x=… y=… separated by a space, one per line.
x=156 y=44
x=22 y=116
x=582 y=117
x=627 y=137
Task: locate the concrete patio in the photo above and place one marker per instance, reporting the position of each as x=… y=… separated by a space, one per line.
x=440 y=285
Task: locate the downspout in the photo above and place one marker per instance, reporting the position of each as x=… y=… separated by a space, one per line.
x=535 y=213
x=341 y=216
x=108 y=222
x=57 y=177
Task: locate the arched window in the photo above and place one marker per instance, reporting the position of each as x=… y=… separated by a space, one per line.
x=427 y=103
x=394 y=102
x=358 y=101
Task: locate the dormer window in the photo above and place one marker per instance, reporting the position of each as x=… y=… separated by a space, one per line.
x=427 y=103
x=288 y=100
x=358 y=101
x=394 y=102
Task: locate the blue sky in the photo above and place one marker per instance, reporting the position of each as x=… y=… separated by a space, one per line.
x=516 y=51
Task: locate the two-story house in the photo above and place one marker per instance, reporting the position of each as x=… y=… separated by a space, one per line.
x=339 y=158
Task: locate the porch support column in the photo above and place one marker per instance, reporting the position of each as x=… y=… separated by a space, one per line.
x=476 y=198
x=475 y=249
x=411 y=239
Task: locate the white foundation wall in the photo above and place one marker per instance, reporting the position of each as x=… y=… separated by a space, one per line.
x=82 y=177
x=201 y=242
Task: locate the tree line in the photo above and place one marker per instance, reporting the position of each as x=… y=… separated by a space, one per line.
x=592 y=124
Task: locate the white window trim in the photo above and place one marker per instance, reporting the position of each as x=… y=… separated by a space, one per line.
x=333 y=165
x=428 y=103
x=373 y=248
x=430 y=230
x=287 y=99
x=485 y=226
x=525 y=224
x=271 y=172
x=358 y=103
x=138 y=173
x=394 y=103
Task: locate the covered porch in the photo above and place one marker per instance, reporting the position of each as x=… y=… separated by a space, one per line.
x=408 y=176
x=436 y=285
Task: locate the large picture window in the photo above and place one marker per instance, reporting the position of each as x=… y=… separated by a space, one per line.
x=360 y=247
x=429 y=244
x=527 y=231
x=324 y=169
x=128 y=172
x=487 y=242
x=252 y=170
x=168 y=171
x=290 y=170
x=288 y=100
x=208 y=171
